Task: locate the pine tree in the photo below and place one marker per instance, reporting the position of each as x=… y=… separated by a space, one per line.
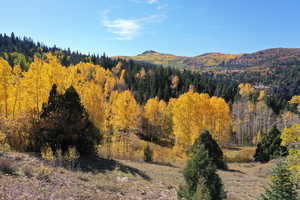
x=64 y=123
x=270 y=147
x=201 y=180
x=211 y=146
x=282 y=186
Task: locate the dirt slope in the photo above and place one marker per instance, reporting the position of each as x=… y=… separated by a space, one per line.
x=116 y=180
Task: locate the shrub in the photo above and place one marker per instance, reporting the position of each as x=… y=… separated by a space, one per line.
x=47 y=153
x=148 y=154
x=4 y=146
x=201 y=179
x=7 y=166
x=17 y=130
x=214 y=151
x=71 y=157
x=270 y=147
x=283 y=186
x=44 y=173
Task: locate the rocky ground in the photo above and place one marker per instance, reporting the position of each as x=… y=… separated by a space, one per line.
x=29 y=178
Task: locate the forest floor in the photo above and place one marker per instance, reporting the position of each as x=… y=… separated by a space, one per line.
x=26 y=177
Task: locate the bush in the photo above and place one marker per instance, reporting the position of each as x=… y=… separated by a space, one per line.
x=148 y=154
x=270 y=147
x=47 y=153
x=214 y=151
x=4 y=146
x=201 y=179
x=7 y=166
x=283 y=186
x=44 y=173
x=71 y=158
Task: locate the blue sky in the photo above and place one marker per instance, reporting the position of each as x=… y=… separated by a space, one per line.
x=181 y=27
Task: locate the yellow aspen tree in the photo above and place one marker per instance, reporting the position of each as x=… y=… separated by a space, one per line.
x=193 y=112
x=36 y=83
x=17 y=91
x=126 y=116
x=174 y=82
x=92 y=98
x=291 y=138
x=6 y=77
x=246 y=89
x=156 y=116
x=221 y=118
x=187 y=118
x=117 y=69
x=121 y=80
x=141 y=74
x=57 y=73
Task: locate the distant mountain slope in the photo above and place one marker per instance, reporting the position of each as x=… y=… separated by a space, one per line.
x=267 y=58
x=196 y=62
x=219 y=61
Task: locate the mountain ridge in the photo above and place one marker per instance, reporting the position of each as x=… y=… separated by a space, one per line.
x=220 y=61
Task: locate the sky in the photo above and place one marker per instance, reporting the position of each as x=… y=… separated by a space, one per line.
x=130 y=27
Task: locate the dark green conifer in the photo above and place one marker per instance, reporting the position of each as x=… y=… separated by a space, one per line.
x=282 y=186
x=214 y=151
x=201 y=180
x=270 y=147
x=64 y=123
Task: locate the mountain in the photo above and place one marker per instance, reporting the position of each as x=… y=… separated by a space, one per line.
x=267 y=58
x=219 y=61
x=205 y=61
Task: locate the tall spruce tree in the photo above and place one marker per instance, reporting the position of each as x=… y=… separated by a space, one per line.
x=270 y=147
x=201 y=180
x=214 y=151
x=283 y=186
x=64 y=123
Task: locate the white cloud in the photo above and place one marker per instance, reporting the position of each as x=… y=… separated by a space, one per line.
x=145 y=1
x=125 y=29
x=128 y=29
x=152 y=1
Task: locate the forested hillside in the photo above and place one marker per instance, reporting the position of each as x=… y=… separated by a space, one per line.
x=66 y=106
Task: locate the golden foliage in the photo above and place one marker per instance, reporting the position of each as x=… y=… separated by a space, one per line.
x=246 y=89
x=291 y=138
x=193 y=112
x=158 y=117
x=261 y=96
x=126 y=112
x=47 y=153
x=112 y=109
x=295 y=100
x=175 y=81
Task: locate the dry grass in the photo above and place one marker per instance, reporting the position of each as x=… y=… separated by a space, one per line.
x=239 y=154
x=119 y=180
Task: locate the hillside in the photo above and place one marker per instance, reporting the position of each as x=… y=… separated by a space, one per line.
x=32 y=178
x=202 y=62
x=218 y=61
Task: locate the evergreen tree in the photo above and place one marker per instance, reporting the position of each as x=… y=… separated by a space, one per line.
x=270 y=147
x=148 y=153
x=201 y=180
x=282 y=186
x=64 y=123
x=214 y=151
